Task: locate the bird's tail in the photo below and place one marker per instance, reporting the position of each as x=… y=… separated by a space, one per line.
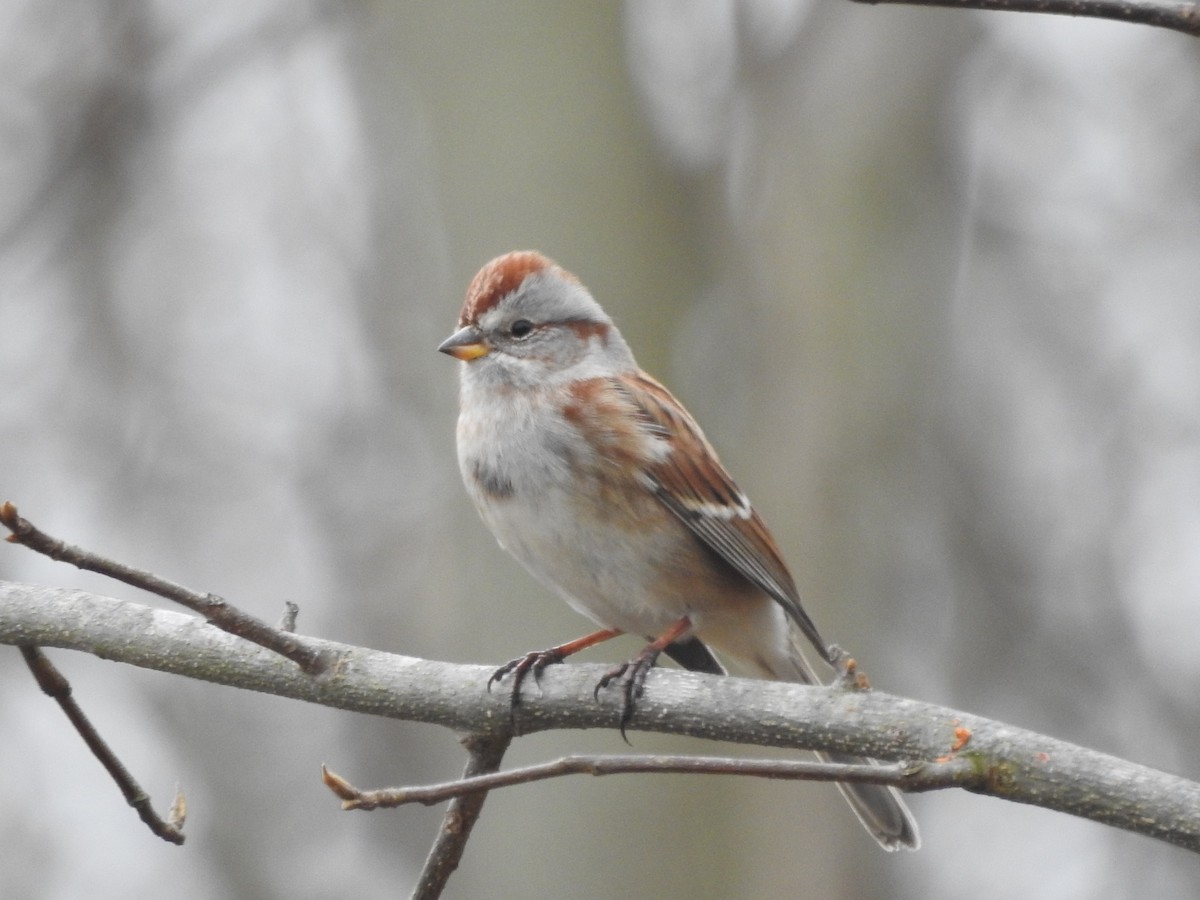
x=880 y=809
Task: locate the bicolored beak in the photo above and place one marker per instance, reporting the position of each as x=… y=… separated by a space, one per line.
x=465 y=344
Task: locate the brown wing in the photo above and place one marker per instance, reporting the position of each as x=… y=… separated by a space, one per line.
x=693 y=484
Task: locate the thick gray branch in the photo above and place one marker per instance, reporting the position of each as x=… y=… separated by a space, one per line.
x=1007 y=762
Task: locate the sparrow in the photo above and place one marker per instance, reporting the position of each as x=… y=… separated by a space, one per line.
x=600 y=483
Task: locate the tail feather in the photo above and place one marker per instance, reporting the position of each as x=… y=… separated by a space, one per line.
x=880 y=809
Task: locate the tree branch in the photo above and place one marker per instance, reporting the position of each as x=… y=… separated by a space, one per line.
x=1176 y=15
x=55 y=685
x=949 y=772
x=215 y=609
x=485 y=753
x=1008 y=762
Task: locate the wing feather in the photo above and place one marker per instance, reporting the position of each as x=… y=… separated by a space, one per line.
x=691 y=482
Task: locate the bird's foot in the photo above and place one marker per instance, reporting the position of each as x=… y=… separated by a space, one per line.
x=534 y=662
x=630 y=677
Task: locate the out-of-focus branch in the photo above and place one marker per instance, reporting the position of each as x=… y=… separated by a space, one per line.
x=1006 y=762
x=1176 y=15
x=55 y=685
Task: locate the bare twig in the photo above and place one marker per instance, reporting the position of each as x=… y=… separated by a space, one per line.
x=486 y=752
x=951 y=772
x=1175 y=15
x=214 y=609
x=287 y=622
x=1009 y=762
x=54 y=684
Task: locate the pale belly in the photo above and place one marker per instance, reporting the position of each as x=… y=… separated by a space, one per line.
x=611 y=549
x=607 y=573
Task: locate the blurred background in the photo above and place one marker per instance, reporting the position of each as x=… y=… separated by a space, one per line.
x=929 y=279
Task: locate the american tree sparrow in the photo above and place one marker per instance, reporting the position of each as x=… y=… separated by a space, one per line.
x=602 y=485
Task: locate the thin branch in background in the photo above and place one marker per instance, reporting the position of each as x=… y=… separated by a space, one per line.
x=486 y=752
x=214 y=609
x=54 y=684
x=287 y=622
x=907 y=777
x=1175 y=15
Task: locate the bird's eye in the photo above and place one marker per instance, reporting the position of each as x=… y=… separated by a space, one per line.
x=521 y=328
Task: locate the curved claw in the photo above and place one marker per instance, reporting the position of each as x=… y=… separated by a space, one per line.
x=631 y=677
x=534 y=661
x=500 y=673
x=609 y=676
